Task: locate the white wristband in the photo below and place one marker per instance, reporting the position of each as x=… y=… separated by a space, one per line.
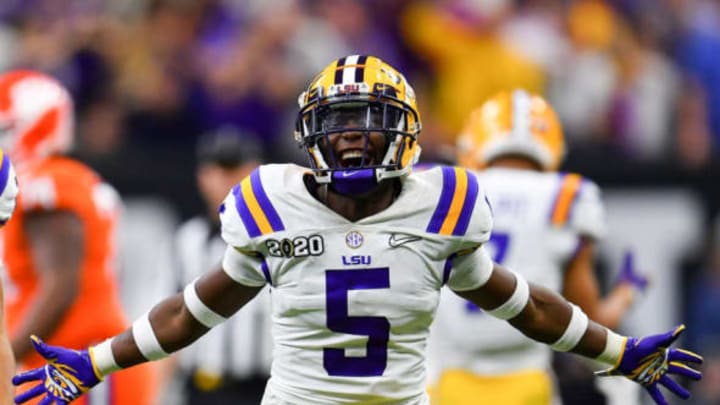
x=103 y=358
x=146 y=340
x=517 y=301
x=614 y=349
x=574 y=332
x=199 y=310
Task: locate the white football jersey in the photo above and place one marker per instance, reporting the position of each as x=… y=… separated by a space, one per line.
x=539 y=218
x=352 y=302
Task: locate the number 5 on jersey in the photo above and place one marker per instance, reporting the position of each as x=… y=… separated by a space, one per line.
x=338 y=283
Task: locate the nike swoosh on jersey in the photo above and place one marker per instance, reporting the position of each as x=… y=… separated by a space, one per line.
x=396 y=241
x=346 y=173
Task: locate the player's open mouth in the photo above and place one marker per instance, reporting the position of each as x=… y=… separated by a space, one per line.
x=354 y=158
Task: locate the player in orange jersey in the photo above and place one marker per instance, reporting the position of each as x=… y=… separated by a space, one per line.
x=59 y=248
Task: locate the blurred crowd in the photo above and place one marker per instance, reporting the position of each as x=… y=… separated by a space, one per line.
x=636 y=84
x=637 y=81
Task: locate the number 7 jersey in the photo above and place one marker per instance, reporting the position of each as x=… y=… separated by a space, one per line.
x=539 y=220
x=352 y=302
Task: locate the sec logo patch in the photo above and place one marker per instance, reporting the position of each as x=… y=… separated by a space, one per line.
x=354 y=239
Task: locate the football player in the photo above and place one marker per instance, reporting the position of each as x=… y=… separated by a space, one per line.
x=59 y=248
x=545 y=225
x=355 y=250
x=8 y=196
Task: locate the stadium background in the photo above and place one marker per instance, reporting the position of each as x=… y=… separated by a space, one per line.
x=636 y=84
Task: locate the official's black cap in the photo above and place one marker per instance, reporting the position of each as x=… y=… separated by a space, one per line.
x=228 y=147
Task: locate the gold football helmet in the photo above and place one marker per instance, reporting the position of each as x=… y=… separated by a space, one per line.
x=512 y=123
x=358 y=94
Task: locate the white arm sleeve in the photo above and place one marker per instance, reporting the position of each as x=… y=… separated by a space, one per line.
x=199 y=310
x=517 y=301
x=244 y=269
x=470 y=271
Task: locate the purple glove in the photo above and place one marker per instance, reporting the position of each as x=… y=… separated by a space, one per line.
x=649 y=360
x=67 y=375
x=629 y=275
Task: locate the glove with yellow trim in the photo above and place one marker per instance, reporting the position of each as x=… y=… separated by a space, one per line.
x=67 y=375
x=649 y=361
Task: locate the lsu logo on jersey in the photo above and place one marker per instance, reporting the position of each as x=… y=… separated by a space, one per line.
x=356 y=260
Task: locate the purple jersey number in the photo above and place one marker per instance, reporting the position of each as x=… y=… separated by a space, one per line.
x=500 y=242
x=376 y=328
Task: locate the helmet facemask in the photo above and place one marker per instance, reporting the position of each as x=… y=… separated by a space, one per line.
x=355 y=141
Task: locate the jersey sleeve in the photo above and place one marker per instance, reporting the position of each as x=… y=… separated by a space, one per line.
x=468 y=271
x=232 y=229
x=462 y=212
x=241 y=261
x=481 y=221
x=244 y=268
x=247 y=215
x=577 y=206
x=588 y=215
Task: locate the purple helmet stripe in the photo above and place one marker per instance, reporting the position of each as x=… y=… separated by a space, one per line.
x=339 y=70
x=360 y=70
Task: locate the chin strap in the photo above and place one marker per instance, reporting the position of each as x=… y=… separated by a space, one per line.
x=354 y=181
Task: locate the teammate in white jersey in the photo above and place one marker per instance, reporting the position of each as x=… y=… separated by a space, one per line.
x=356 y=250
x=545 y=225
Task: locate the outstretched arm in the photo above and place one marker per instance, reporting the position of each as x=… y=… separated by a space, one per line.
x=580 y=286
x=546 y=317
x=7 y=362
x=543 y=315
x=171 y=325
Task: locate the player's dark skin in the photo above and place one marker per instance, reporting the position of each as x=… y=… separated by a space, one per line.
x=354 y=208
x=57 y=241
x=580 y=285
x=544 y=318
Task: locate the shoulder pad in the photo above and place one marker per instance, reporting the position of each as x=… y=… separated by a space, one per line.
x=248 y=211
x=462 y=209
x=577 y=204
